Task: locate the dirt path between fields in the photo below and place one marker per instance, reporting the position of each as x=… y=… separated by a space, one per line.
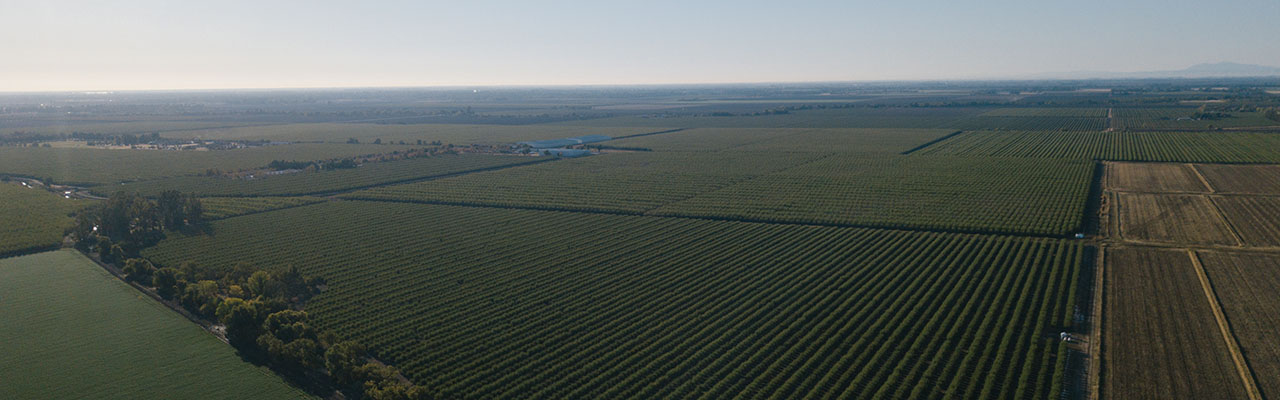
x=1246 y=375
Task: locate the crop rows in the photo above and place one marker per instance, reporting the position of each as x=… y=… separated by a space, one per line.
x=623 y=183
x=1047 y=112
x=32 y=218
x=496 y=303
x=1161 y=339
x=1225 y=147
x=305 y=183
x=100 y=166
x=226 y=207
x=1033 y=123
x=1045 y=197
x=1246 y=284
x=856 y=140
x=1182 y=118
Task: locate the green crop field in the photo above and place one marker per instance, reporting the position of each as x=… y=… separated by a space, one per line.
x=494 y=303
x=226 y=207
x=305 y=183
x=623 y=182
x=367 y=133
x=102 y=166
x=1223 y=147
x=1183 y=118
x=32 y=218
x=969 y=195
x=864 y=117
x=1033 y=123
x=1047 y=112
x=130 y=127
x=1045 y=197
x=71 y=330
x=782 y=139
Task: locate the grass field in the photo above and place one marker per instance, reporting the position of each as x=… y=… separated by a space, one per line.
x=85 y=334
x=33 y=218
x=1161 y=340
x=1217 y=147
x=540 y=304
x=1246 y=284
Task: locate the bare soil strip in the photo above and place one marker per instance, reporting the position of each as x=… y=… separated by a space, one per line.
x=1255 y=219
x=1246 y=375
x=1201 y=176
x=1170 y=218
x=1160 y=341
x=1235 y=233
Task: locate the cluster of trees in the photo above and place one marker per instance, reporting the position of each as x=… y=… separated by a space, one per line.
x=132 y=222
x=259 y=310
x=1273 y=114
x=123 y=139
x=343 y=163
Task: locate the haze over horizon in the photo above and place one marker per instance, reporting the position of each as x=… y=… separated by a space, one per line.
x=155 y=45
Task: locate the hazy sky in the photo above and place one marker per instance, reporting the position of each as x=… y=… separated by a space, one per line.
x=115 y=45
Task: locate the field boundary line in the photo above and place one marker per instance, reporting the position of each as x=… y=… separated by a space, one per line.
x=1095 y=331
x=932 y=142
x=1202 y=179
x=693 y=217
x=1177 y=193
x=1246 y=375
x=647 y=134
x=1223 y=216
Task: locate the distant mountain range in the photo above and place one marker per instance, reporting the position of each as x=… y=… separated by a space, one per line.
x=1213 y=70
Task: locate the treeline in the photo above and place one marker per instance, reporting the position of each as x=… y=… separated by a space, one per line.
x=261 y=310
x=261 y=313
x=131 y=222
x=345 y=163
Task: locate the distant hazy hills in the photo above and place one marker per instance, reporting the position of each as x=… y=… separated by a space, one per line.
x=1214 y=70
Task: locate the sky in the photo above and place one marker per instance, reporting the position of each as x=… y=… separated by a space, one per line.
x=52 y=45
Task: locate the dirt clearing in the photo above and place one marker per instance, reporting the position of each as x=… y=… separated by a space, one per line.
x=1148 y=177
x=1252 y=179
x=1172 y=218
x=1256 y=219
x=1246 y=284
x=1161 y=338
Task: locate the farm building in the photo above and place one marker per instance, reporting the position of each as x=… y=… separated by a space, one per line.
x=543 y=144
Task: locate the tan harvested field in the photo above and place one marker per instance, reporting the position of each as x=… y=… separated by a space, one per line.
x=1160 y=338
x=1149 y=177
x=1171 y=218
x=1256 y=219
x=1246 y=285
x=1256 y=179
